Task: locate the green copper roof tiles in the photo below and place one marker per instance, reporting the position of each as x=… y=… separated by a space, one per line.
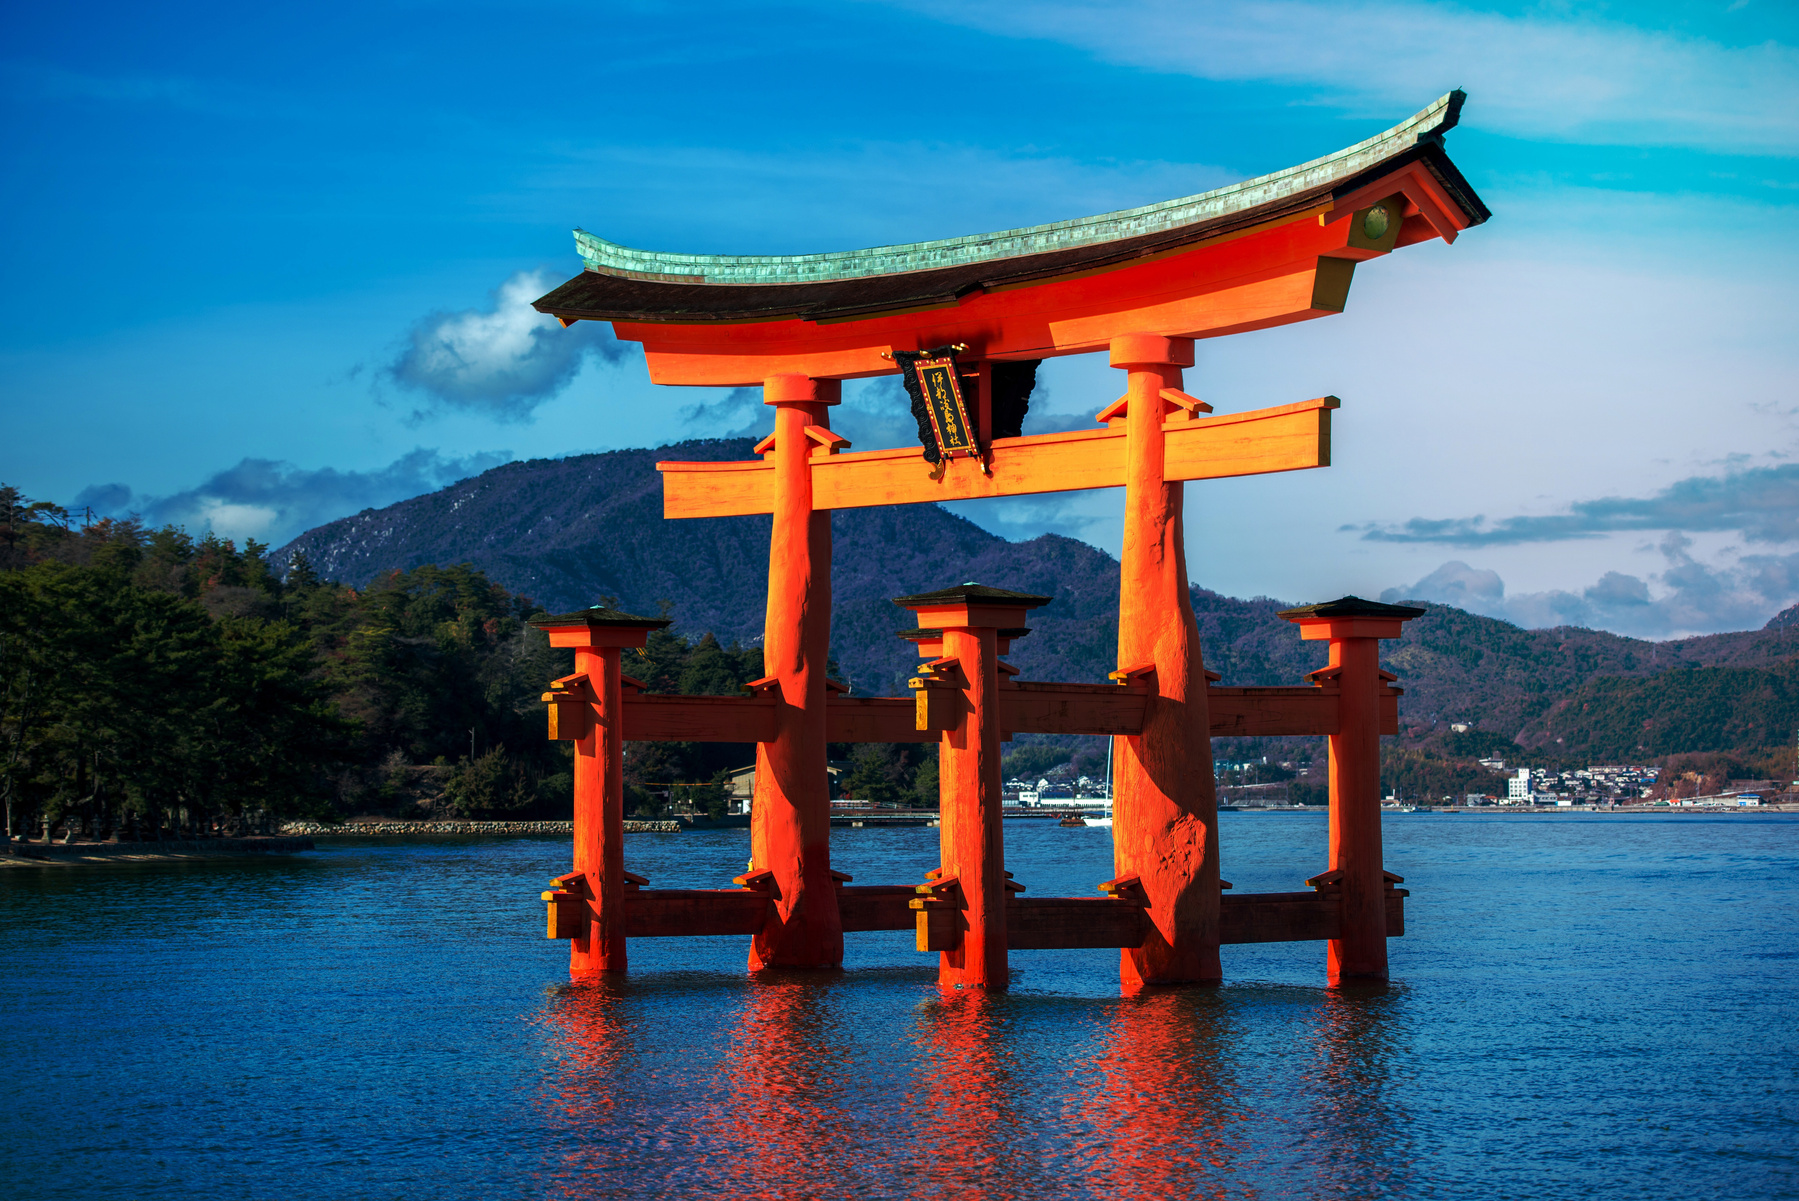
x=609 y=258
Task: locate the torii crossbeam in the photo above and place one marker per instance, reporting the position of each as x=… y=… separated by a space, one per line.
x=1141 y=284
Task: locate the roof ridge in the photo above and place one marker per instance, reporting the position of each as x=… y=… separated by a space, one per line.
x=1428 y=125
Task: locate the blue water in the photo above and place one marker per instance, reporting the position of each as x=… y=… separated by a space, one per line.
x=1582 y=1007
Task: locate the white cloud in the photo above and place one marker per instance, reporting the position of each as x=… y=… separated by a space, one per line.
x=505 y=360
x=1690 y=597
x=1532 y=75
x=274 y=502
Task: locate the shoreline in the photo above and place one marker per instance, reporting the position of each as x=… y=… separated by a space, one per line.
x=169 y=850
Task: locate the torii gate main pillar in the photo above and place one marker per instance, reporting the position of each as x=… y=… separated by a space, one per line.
x=790 y=822
x=1165 y=807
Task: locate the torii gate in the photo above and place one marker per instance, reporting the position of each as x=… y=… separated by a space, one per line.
x=1141 y=284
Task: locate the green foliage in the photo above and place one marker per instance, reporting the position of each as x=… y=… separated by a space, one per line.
x=1715 y=709
x=1420 y=776
x=147 y=677
x=664 y=775
x=883 y=773
x=1480 y=744
x=1033 y=759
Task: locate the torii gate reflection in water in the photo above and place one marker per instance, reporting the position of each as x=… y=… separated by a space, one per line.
x=1142 y=285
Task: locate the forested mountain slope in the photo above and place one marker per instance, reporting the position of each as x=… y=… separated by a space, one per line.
x=568 y=531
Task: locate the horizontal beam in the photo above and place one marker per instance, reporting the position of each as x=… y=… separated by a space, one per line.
x=1285 y=438
x=660 y=718
x=1294 y=916
x=875 y=906
x=672 y=912
x=1026 y=707
x=1032 y=924
x=874 y=719
x=1033 y=708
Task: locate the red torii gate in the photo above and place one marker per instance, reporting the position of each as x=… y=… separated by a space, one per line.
x=1142 y=284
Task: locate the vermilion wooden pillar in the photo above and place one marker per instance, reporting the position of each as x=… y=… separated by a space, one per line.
x=969 y=805
x=1165 y=808
x=1355 y=627
x=594 y=706
x=790 y=820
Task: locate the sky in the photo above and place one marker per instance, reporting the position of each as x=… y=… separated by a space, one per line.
x=266 y=266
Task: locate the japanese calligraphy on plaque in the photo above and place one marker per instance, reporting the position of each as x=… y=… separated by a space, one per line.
x=938 y=403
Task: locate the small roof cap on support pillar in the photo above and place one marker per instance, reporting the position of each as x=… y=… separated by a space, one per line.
x=1351 y=617
x=971 y=604
x=599 y=626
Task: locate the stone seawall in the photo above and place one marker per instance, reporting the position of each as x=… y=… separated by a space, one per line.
x=384 y=829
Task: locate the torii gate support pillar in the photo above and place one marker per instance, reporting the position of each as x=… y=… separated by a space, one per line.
x=1355 y=628
x=972 y=871
x=790 y=823
x=588 y=709
x=1165 y=806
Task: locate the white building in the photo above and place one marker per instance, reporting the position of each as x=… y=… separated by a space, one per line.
x=1517 y=789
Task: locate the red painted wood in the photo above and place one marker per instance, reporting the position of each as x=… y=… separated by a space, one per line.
x=1164 y=812
x=1288 y=271
x=790 y=832
x=661 y=718
x=970 y=809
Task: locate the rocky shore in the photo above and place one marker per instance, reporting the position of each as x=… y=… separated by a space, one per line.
x=56 y=854
x=369 y=829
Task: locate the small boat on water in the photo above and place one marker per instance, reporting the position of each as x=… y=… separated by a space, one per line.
x=1103 y=818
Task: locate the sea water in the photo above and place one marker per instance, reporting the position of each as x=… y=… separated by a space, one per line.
x=1582 y=1006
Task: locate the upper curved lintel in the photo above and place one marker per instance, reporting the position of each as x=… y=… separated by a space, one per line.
x=609 y=258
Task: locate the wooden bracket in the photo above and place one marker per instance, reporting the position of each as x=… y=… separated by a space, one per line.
x=566 y=914
x=841 y=877
x=1329 y=881
x=570 y=700
x=936 y=706
x=1179 y=400
x=1224 y=884
x=635 y=880
x=829 y=443
x=943 y=888
x=632 y=682
x=1192 y=405
x=1141 y=678
x=836 y=686
x=572 y=881
x=1391 y=879
x=765 y=684
x=1213 y=677
x=1325 y=675
x=1126 y=888
x=762 y=881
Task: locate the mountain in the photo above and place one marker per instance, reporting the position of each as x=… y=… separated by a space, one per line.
x=569 y=531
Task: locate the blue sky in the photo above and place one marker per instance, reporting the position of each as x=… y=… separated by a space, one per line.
x=266 y=267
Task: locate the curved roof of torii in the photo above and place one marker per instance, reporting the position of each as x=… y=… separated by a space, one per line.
x=622 y=284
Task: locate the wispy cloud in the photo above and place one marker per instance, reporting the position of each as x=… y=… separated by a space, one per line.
x=1761 y=504
x=1534 y=75
x=1689 y=597
x=502 y=361
x=273 y=502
